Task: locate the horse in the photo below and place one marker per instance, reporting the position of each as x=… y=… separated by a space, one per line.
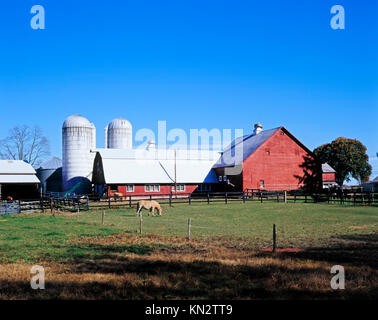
x=117 y=195
x=150 y=206
x=83 y=200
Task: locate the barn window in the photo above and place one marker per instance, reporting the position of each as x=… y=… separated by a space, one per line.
x=220 y=178
x=152 y=188
x=262 y=184
x=179 y=188
x=267 y=151
x=224 y=178
x=129 y=188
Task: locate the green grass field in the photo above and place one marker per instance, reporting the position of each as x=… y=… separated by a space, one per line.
x=84 y=259
x=36 y=237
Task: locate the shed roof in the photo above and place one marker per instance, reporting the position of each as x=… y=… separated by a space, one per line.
x=375 y=180
x=327 y=168
x=18 y=178
x=17 y=171
x=51 y=164
x=157 y=166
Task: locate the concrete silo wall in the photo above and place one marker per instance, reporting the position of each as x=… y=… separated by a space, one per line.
x=77 y=158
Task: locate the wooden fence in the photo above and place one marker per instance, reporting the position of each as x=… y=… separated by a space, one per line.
x=80 y=203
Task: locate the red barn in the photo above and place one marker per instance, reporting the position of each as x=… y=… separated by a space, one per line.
x=265 y=160
x=328 y=176
x=153 y=172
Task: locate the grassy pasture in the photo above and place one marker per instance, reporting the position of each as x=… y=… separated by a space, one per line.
x=86 y=259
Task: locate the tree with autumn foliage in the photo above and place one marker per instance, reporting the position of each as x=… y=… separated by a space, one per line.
x=348 y=157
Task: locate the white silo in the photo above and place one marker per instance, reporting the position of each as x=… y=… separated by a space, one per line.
x=106 y=137
x=79 y=137
x=119 y=134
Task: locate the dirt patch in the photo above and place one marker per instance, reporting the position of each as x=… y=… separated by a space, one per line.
x=358 y=227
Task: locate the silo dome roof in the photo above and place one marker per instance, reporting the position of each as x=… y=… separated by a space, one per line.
x=119 y=123
x=77 y=120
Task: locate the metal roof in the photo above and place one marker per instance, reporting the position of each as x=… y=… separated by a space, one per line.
x=17 y=171
x=157 y=166
x=327 y=168
x=15 y=167
x=119 y=123
x=77 y=120
x=51 y=164
x=158 y=154
x=375 y=180
x=242 y=147
x=18 y=178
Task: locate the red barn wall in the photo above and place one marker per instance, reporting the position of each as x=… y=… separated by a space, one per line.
x=139 y=190
x=330 y=176
x=277 y=162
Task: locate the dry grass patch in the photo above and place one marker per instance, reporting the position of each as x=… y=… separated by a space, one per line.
x=178 y=269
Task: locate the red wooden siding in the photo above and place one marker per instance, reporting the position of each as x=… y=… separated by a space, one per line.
x=329 y=176
x=140 y=190
x=276 y=163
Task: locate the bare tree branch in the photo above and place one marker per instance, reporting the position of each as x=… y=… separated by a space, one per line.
x=25 y=143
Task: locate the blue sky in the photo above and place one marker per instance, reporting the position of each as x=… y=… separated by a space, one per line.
x=196 y=64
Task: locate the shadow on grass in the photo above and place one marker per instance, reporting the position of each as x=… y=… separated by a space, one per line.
x=356 y=250
x=183 y=280
x=141 y=276
x=88 y=251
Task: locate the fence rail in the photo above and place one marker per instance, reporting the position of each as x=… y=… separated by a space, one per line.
x=80 y=203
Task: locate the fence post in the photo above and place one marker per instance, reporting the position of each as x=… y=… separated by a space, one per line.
x=285 y=196
x=208 y=198
x=103 y=217
x=170 y=199
x=261 y=199
x=190 y=198
x=243 y=198
x=51 y=205
x=189 y=224
x=225 y=198
x=278 y=196
x=87 y=203
x=19 y=206
x=150 y=197
x=109 y=203
x=129 y=201
x=295 y=197
x=140 y=222
x=274 y=238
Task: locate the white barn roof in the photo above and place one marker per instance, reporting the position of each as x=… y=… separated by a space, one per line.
x=17 y=171
x=139 y=166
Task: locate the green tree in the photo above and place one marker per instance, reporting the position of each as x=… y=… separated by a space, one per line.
x=348 y=157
